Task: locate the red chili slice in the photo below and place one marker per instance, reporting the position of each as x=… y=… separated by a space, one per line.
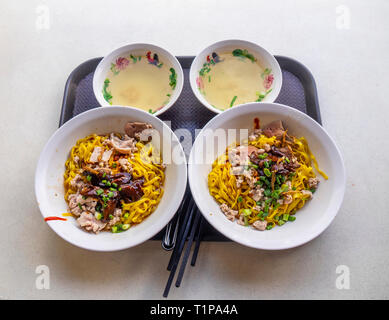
x=55 y=218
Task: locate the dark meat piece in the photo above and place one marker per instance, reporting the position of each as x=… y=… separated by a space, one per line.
x=254 y=158
x=283 y=172
x=96 y=176
x=281 y=152
x=132 y=128
x=278 y=167
x=109 y=209
x=276 y=151
x=95 y=180
x=274 y=128
x=133 y=190
x=122 y=178
x=291 y=166
x=89 y=191
x=286 y=152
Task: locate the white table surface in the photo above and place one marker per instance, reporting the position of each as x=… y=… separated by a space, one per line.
x=350 y=66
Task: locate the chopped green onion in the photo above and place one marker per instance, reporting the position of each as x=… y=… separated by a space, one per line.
x=114 y=164
x=126 y=215
x=267 y=192
x=233 y=101
x=79 y=205
x=110 y=195
x=285 y=217
x=254 y=166
x=114 y=229
x=267 y=172
x=98 y=216
x=281 y=222
x=89 y=178
x=291 y=218
x=287 y=160
x=270 y=226
x=275 y=194
x=263 y=156
x=125 y=226
x=108 y=184
x=104 y=181
x=284 y=188
x=104 y=174
x=246 y=221
x=112 y=189
x=240 y=199
x=266 y=164
x=114 y=185
x=246 y=212
x=110 y=216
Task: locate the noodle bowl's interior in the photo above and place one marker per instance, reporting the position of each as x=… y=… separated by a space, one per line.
x=264 y=182
x=114 y=181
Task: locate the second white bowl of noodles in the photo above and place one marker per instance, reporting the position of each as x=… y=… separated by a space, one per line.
x=312 y=219
x=49 y=188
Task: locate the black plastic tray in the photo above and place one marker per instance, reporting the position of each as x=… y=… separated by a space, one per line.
x=298 y=91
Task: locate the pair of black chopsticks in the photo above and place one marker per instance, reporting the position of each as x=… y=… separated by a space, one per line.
x=188 y=214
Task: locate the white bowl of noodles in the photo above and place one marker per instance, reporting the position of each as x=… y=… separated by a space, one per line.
x=49 y=178
x=312 y=219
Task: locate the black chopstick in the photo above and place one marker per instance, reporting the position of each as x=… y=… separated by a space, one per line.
x=174 y=222
x=179 y=247
x=198 y=241
x=188 y=248
x=184 y=215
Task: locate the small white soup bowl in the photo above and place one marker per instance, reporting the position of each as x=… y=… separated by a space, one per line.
x=105 y=64
x=265 y=58
x=312 y=219
x=49 y=179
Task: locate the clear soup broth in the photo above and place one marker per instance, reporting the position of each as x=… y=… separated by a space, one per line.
x=143 y=81
x=235 y=77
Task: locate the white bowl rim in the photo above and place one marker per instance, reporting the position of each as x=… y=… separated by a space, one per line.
x=311 y=236
x=81 y=117
x=126 y=48
x=226 y=42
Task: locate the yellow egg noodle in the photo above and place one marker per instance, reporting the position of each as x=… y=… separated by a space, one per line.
x=151 y=171
x=223 y=185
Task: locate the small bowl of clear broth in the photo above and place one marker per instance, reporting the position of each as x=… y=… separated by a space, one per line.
x=139 y=75
x=234 y=72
